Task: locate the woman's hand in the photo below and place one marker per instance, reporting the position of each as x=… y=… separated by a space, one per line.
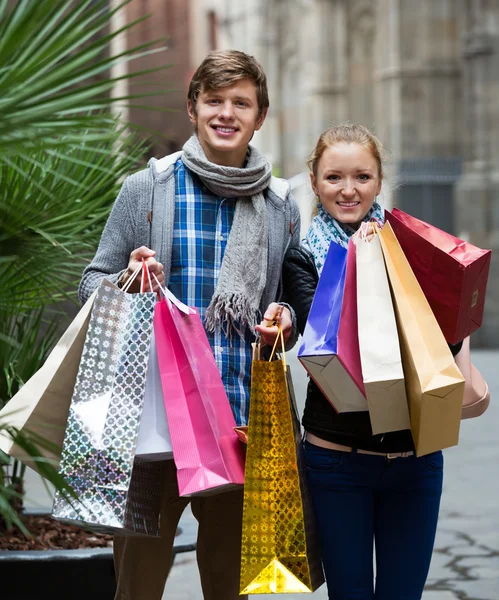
x=365 y=232
x=274 y=316
x=137 y=258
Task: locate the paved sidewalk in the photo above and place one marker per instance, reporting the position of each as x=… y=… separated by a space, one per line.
x=465 y=564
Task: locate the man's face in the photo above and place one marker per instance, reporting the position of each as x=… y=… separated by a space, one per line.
x=225 y=120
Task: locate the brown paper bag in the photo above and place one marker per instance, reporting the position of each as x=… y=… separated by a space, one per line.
x=41 y=406
x=435 y=386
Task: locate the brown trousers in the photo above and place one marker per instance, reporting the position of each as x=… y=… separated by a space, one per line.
x=142 y=564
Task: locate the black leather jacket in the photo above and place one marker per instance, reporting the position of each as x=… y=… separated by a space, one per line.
x=300 y=280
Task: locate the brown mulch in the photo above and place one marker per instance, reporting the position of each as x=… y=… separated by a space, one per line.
x=49 y=534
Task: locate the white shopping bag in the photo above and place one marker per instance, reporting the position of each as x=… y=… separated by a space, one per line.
x=41 y=406
x=154 y=437
x=379 y=345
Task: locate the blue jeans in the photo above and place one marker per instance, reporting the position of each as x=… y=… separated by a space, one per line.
x=361 y=500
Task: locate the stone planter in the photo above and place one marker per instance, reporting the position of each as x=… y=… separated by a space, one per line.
x=86 y=574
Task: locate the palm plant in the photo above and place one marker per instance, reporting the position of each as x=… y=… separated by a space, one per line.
x=62 y=157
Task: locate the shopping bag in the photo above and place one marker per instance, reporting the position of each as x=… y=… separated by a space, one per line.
x=434 y=384
x=330 y=346
x=476 y=391
x=41 y=406
x=208 y=455
x=279 y=552
x=379 y=344
x=154 y=442
x=452 y=273
x=116 y=492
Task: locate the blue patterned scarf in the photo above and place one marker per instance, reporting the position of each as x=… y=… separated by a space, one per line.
x=325 y=229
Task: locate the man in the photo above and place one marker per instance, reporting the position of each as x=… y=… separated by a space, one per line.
x=213 y=225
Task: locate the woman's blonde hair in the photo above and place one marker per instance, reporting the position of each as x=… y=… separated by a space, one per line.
x=349 y=133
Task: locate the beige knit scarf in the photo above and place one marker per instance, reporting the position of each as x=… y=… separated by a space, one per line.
x=241 y=281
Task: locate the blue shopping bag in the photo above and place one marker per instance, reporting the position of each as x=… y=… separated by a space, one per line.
x=330 y=347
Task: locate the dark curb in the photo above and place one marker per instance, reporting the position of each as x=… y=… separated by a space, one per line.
x=62 y=574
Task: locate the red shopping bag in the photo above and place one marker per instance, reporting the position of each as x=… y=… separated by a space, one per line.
x=206 y=450
x=451 y=272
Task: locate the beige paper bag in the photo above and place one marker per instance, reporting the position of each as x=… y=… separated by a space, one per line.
x=434 y=384
x=42 y=404
x=379 y=345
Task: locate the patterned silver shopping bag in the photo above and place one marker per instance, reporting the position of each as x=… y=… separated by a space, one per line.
x=116 y=492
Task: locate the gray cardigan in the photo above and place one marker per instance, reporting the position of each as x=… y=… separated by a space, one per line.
x=142 y=215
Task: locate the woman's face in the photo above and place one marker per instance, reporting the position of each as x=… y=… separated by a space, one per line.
x=347 y=182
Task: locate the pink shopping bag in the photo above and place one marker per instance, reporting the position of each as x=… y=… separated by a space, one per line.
x=207 y=452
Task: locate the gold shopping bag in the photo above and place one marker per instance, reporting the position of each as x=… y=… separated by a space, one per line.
x=435 y=386
x=279 y=553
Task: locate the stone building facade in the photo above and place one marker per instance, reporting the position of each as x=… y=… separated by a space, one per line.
x=423 y=75
x=189 y=29
x=169 y=19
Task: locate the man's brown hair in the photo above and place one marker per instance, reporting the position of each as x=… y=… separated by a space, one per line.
x=222 y=68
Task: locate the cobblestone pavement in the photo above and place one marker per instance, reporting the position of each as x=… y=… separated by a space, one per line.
x=465 y=564
x=466 y=556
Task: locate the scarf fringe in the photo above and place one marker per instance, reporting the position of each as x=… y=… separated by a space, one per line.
x=230 y=312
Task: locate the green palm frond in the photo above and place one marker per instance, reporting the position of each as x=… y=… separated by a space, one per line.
x=34 y=337
x=26 y=339
x=11 y=484
x=53 y=205
x=55 y=68
x=63 y=156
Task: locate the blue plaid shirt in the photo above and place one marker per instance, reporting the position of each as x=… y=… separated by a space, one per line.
x=201 y=230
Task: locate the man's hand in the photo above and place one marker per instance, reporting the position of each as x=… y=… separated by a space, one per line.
x=274 y=316
x=137 y=257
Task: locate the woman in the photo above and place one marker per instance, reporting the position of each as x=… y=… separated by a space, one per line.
x=367 y=489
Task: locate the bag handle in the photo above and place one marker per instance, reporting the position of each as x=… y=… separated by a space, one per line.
x=280 y=337
x=376 y=227
x=145 y=269
x=169 y=297
x=146 y=273
x=131 y=279
x=362 y=232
